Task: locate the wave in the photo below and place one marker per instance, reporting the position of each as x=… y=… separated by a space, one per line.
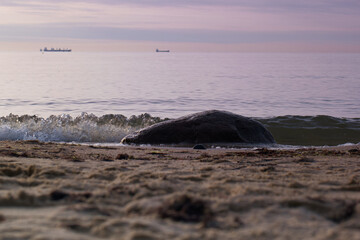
x=111 y=128
x=89 y=128
x=313 y=130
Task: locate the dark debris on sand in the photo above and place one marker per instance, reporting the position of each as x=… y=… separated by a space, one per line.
x=186 y=209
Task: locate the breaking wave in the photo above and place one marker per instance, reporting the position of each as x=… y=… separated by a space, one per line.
x=111 y=128
x=108 y=128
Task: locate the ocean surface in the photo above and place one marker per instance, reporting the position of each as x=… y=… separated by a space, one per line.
x=303 y=99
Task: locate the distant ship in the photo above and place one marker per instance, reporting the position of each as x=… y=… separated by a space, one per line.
x=55 y=50
x=157 y=50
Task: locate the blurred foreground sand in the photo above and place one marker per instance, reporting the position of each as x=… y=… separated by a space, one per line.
x=58 y=191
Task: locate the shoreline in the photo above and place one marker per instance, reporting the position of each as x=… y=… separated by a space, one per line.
x=208 y=146
x=77 y=191
x=87 y=127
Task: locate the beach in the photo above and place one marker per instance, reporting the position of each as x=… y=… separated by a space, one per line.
x=71 y=191
x=184 y=120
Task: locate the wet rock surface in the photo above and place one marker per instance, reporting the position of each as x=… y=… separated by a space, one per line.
x=205 y=127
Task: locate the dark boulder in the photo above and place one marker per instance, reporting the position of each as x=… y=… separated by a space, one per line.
x=199 y=146
x=205 y=127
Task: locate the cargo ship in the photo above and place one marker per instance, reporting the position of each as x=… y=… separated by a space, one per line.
x=157 y=50
x=55 y=50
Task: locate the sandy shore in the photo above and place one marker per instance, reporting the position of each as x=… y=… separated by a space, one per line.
x=58 y=191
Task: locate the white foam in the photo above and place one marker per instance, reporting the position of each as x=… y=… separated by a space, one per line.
x=55 y=132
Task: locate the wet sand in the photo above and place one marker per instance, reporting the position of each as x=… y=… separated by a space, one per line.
x=59 y=191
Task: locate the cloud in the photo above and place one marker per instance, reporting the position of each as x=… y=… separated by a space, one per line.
x=197 y=21
x=170 y=17
x=261 y=5
x=178 y=35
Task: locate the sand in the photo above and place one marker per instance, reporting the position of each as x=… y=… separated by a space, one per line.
x=60 y=191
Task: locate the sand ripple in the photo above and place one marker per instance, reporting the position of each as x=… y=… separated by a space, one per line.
x=56 y=191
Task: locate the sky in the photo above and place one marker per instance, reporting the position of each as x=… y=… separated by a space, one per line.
x=181 y=25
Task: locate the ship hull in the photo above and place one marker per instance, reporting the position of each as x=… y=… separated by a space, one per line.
x=57 y=50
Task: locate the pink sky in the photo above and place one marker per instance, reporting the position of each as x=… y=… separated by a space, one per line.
x=183 y=25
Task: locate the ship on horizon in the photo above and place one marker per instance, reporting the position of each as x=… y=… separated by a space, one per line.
x=157 y=50
x=55 y=50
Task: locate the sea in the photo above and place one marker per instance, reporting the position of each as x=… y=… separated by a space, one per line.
x=304 y=99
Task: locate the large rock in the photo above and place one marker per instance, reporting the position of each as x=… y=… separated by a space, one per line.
x=205 y=127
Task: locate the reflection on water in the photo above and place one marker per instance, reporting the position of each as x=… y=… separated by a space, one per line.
x=175 y=84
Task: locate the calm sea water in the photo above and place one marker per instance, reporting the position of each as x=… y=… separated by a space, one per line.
x=170 y=85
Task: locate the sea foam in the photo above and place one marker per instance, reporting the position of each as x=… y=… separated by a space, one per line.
x=64 y=128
